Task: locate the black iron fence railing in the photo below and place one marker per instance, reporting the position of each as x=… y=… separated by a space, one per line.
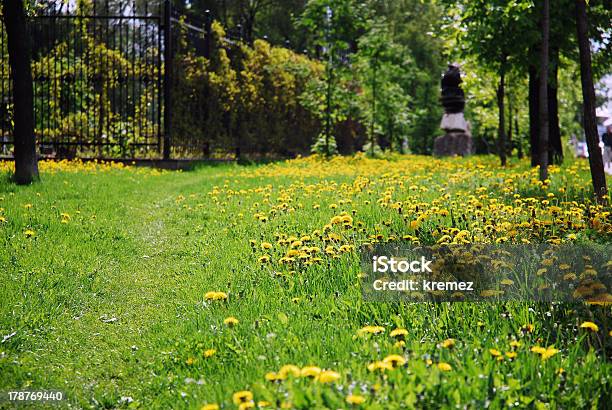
x=103 y=79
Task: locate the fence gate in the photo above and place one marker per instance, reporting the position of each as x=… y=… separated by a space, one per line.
x=98 y=79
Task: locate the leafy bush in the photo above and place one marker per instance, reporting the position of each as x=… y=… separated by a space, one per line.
x=243 y=99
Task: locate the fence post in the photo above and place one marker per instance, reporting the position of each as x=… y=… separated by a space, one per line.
x=167 y=78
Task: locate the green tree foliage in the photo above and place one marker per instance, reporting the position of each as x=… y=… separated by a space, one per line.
x=383 y=68
x=479 y=32
x=418 y=27
x=258 y=18
x=332 y=27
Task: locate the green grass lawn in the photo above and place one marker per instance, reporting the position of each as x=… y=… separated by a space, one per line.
x=104 y=274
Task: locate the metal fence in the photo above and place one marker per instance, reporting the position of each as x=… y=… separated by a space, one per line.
x=103 y=78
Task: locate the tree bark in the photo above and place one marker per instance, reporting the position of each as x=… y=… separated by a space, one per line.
x=510 y=142
x=555 y=147
x=534 y=120
x=519 y=138
x=588 y=94
x=501 y=131
x=543 y=103
x=26 y=160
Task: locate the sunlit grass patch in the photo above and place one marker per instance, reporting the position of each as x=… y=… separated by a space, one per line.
x=240 y=287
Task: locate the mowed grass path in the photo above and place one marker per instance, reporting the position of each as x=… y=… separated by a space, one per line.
x=103 y=276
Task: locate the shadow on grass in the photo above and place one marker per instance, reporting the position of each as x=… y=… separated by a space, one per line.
x=7 y=183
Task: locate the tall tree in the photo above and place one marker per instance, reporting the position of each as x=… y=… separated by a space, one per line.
x=18 y=43
x=543 y=106
x=588 y=92
x=534 y=112
x=501 y=130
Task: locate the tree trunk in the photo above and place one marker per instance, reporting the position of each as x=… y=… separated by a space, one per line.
x=501 y=130
x=510 y=123
x=588 y=94
x=373 y=123
x=543 y=145
x=519 y=138
x=26 y=161
x=555 y=147
x=534 y=120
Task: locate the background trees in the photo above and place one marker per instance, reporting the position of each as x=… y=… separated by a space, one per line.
x=365 y=72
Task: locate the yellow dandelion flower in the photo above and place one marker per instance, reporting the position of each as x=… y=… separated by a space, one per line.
x=491 y=293
x=266 y=245
x=550 y=352
x=355 y=399
x=211 y=296
x=231 y=321
x=590 y=326
x=395 y=360
x=515 y=344
x=548 y=262
x=380 y=365
x=328 y=376
x=399 y=333
x=310 y=371
x=29 y=233
x=374 y=330
x=448 y=343
x=570 y=276
x=495 y=352
x=444 y=367
x=289 y=370
x=211 y=406
x=242 y=397
x=209 y=352
x=272 y=377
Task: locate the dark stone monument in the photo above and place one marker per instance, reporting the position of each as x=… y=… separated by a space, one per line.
x=458 y=138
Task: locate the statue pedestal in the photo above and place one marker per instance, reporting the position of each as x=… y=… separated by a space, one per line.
x=458 y=139
x=454 y=122
x=453 y=144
